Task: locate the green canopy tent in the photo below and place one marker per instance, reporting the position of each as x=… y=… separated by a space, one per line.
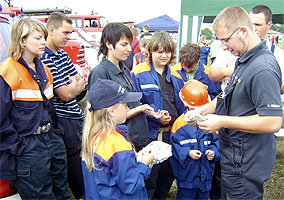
x=194 y=12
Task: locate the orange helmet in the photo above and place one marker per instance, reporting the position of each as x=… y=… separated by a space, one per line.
x=194 y=93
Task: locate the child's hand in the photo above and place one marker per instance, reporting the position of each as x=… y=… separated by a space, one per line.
x=150 y=111
x=148 y=157
x=210 y=154
x=166 y=118
x=195 y=154
x=189 y=118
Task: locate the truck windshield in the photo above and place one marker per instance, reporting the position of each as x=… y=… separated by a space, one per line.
x=103 y=22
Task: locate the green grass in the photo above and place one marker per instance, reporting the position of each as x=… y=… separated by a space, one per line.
x=273 y=188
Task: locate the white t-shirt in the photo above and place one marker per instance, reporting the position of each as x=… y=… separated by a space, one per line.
x=279 y=55
x=225 y=59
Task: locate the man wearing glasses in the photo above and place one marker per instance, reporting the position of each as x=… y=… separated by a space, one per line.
x=223 y=66
x=249 y=111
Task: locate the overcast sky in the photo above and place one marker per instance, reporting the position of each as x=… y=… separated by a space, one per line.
x=113 y=10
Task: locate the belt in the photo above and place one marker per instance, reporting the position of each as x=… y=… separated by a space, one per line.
x=43 y=129
x=163 y=130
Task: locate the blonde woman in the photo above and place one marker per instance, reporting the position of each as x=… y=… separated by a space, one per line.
x=109 y=166
x=32 y=151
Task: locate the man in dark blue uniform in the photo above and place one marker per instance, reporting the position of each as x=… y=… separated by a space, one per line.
x=250 y=110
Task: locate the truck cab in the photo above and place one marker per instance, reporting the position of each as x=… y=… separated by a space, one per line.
x=92 y=24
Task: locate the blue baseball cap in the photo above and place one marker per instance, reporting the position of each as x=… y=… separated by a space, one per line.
x=105 y=93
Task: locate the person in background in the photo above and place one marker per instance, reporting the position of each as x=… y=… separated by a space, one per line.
x=194 y=150
x=261 y=17
x=222 y=68
x=140 y=56
x=190 y=68
x=67 y=85
x=135 y=46
x=244 y=116
x=205 y=50
x=160 y=88
x=146 y=34
x=32 y=150
x=115 y=47
x=109 y=164
x=215 y=49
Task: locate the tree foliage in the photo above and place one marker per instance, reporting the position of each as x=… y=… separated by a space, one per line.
x=207 y=33
x=279 y=28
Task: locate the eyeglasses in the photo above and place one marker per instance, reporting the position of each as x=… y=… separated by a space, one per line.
x=228 y=38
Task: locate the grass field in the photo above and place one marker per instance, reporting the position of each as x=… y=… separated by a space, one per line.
x=274 y=187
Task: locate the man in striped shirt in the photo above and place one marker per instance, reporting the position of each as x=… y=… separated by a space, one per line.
x=67 y=84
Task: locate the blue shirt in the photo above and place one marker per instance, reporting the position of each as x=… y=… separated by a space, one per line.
x=61 y=68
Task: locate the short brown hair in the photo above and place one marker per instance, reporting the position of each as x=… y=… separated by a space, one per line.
x=146 y=27
x=231 y=18
x=56 y=19
x=161 y=40
x=263 y=9
x=190 y=54
x=143 y=42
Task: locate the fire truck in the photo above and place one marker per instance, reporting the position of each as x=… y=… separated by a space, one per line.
x=92 y=24
x=74 y=48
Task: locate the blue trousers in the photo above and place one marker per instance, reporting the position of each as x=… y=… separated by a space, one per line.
x=41 y=167
x=190 y=194
x=161 y=178
x=72 y=136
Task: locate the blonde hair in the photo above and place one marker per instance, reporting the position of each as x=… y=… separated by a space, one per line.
x=161 y=40
x=20 y=30
x=97 y=127
x=231 y=18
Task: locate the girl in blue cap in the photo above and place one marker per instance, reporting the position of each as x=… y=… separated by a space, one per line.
x=109 y=166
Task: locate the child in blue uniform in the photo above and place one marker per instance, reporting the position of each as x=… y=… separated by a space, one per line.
x=194 y=150
x=109 y=166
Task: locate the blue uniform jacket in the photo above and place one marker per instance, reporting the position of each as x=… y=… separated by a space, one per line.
x=117 y=174
x=147 y=81
x=205 y=50
x=20 y=118
x=214 y=88
x=192 y=173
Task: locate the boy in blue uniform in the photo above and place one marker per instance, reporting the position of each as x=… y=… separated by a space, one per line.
x=194 y=150
x=190 y=68
x=109 y=166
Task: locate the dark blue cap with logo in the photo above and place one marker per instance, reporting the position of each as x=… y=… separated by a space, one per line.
x=105 y=93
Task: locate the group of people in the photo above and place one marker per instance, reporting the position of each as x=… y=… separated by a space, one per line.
x=47 y=140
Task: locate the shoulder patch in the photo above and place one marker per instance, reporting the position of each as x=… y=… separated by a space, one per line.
x=174 y=70
x=180 y=122
x=142 y=67
x=113 y=144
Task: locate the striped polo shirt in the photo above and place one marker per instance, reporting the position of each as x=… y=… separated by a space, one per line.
x=61 y=68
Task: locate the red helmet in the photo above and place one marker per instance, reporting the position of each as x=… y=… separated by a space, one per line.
x=194 y=93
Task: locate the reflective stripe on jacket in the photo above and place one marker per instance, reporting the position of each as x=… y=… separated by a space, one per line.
x=24 y=87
